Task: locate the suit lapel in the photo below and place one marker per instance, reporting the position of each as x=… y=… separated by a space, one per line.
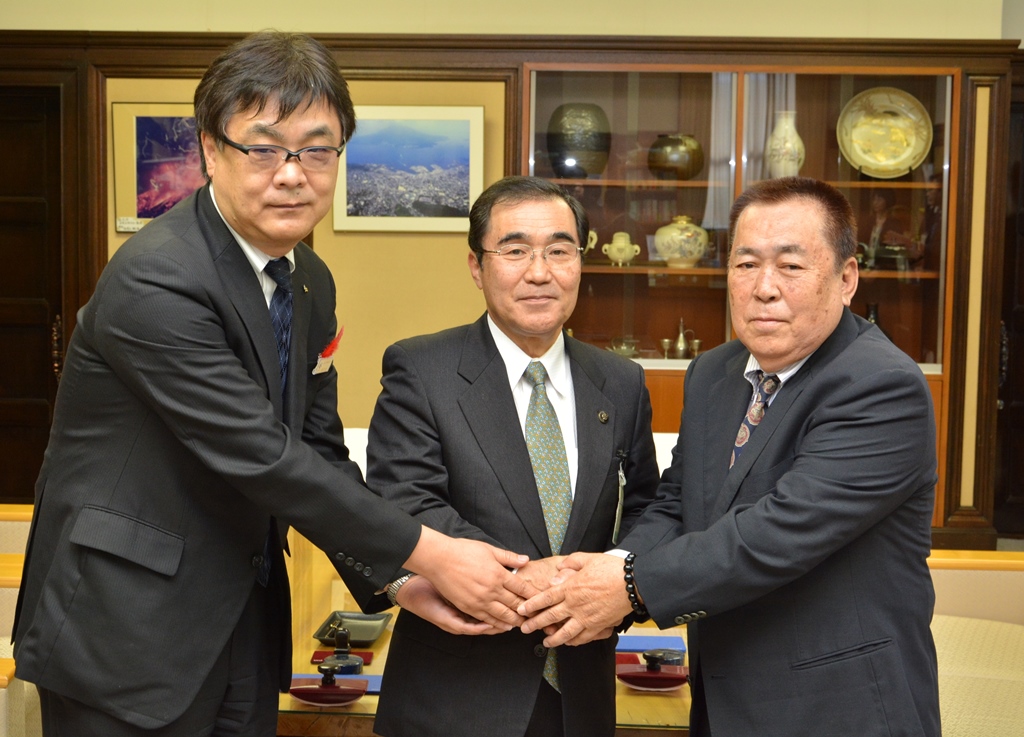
x=776 y=413
x=596 y=441
x=242 y=287
x=732 y=393
x=491 y=415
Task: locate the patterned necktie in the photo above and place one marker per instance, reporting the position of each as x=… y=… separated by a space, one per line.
x=281 y=311
x=551 y=470
x=280 y=271
x=767 y=384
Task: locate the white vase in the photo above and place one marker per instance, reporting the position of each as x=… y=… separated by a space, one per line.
x=785 y=150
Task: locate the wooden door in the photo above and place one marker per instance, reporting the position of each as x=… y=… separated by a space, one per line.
x=30 y=281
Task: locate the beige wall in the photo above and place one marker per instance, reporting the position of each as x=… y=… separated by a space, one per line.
x=807 y=18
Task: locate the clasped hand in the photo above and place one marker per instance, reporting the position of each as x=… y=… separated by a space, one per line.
x=585 y=601
x=467 y=587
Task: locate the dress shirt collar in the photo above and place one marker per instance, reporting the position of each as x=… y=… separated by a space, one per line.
x=257 y=258
x=784 y=375
x=516 y=361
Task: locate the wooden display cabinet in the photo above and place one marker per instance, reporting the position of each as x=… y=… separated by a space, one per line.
x=895 y=136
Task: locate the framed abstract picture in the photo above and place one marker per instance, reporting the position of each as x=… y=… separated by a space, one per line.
x=156 y=160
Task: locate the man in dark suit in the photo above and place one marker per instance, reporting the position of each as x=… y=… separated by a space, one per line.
x=792 y=540
x=196 y=420
x=453 y=441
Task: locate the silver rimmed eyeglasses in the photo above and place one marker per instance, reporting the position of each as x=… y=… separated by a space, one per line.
x=269 y=156
x=556 y=254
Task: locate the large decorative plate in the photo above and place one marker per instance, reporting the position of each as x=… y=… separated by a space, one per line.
x=884 y=132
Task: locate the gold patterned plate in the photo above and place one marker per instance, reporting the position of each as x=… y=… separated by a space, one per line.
x=884 y=132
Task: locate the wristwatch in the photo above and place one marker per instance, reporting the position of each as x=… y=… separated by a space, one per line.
x=394 y=586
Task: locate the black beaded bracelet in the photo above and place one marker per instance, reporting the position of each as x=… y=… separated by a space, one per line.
x=642 y=615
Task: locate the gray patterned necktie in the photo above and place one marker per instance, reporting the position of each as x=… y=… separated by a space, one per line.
x=767 y=384
x=551 y=470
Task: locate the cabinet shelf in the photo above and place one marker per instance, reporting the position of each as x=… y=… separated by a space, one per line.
x=667 y=184
x=908 y=275
x=650 y=269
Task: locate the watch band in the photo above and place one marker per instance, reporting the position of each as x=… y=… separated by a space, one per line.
x=394 y=586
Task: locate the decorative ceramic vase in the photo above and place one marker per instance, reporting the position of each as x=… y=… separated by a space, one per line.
x=579 y=138
x=675 y=157
x=621 y=250
x=784 y=151
x=682 y=243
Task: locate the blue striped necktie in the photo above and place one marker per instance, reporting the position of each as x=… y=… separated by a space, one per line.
x=281 y=317
x=281 y=311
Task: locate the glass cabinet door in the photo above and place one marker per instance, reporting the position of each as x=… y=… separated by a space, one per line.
x=657 y=154
x=883 y=141
x=642 y=150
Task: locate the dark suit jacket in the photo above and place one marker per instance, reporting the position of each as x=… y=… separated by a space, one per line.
x=170 y=452
x=445 y=444
x=802 y=570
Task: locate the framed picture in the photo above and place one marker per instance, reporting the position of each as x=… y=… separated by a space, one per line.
x=411 y=168
x=156 y=160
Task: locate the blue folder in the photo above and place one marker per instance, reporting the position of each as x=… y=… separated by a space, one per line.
x=640 y=643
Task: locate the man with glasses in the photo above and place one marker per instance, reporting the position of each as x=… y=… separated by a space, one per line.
x=196 y=420
x=510 y=432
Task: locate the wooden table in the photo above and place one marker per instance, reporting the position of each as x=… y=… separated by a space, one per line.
x=317 y=591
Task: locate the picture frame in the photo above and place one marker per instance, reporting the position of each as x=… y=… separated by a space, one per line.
x=411 y=168
x=156 y=160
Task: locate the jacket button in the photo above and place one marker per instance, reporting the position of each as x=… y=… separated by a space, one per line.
x=367 y=571
x=540 y=651
x=349 y=561
x=702 y=614
x=257 y=561
x=358 y=567
x=339 y=557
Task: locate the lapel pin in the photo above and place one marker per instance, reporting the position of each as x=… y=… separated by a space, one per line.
x=326 y=357
x=602 y=416
x=305 y=289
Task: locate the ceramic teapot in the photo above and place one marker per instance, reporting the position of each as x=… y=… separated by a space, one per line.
x=620 y=251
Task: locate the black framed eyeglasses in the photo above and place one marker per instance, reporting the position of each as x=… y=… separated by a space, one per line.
x=269 y=156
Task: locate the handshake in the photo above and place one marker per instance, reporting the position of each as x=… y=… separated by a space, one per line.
x=468 y=587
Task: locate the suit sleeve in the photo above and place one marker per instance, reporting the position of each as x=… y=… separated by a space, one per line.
x=162 y=332
x=404 y=455
x=865 y=453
